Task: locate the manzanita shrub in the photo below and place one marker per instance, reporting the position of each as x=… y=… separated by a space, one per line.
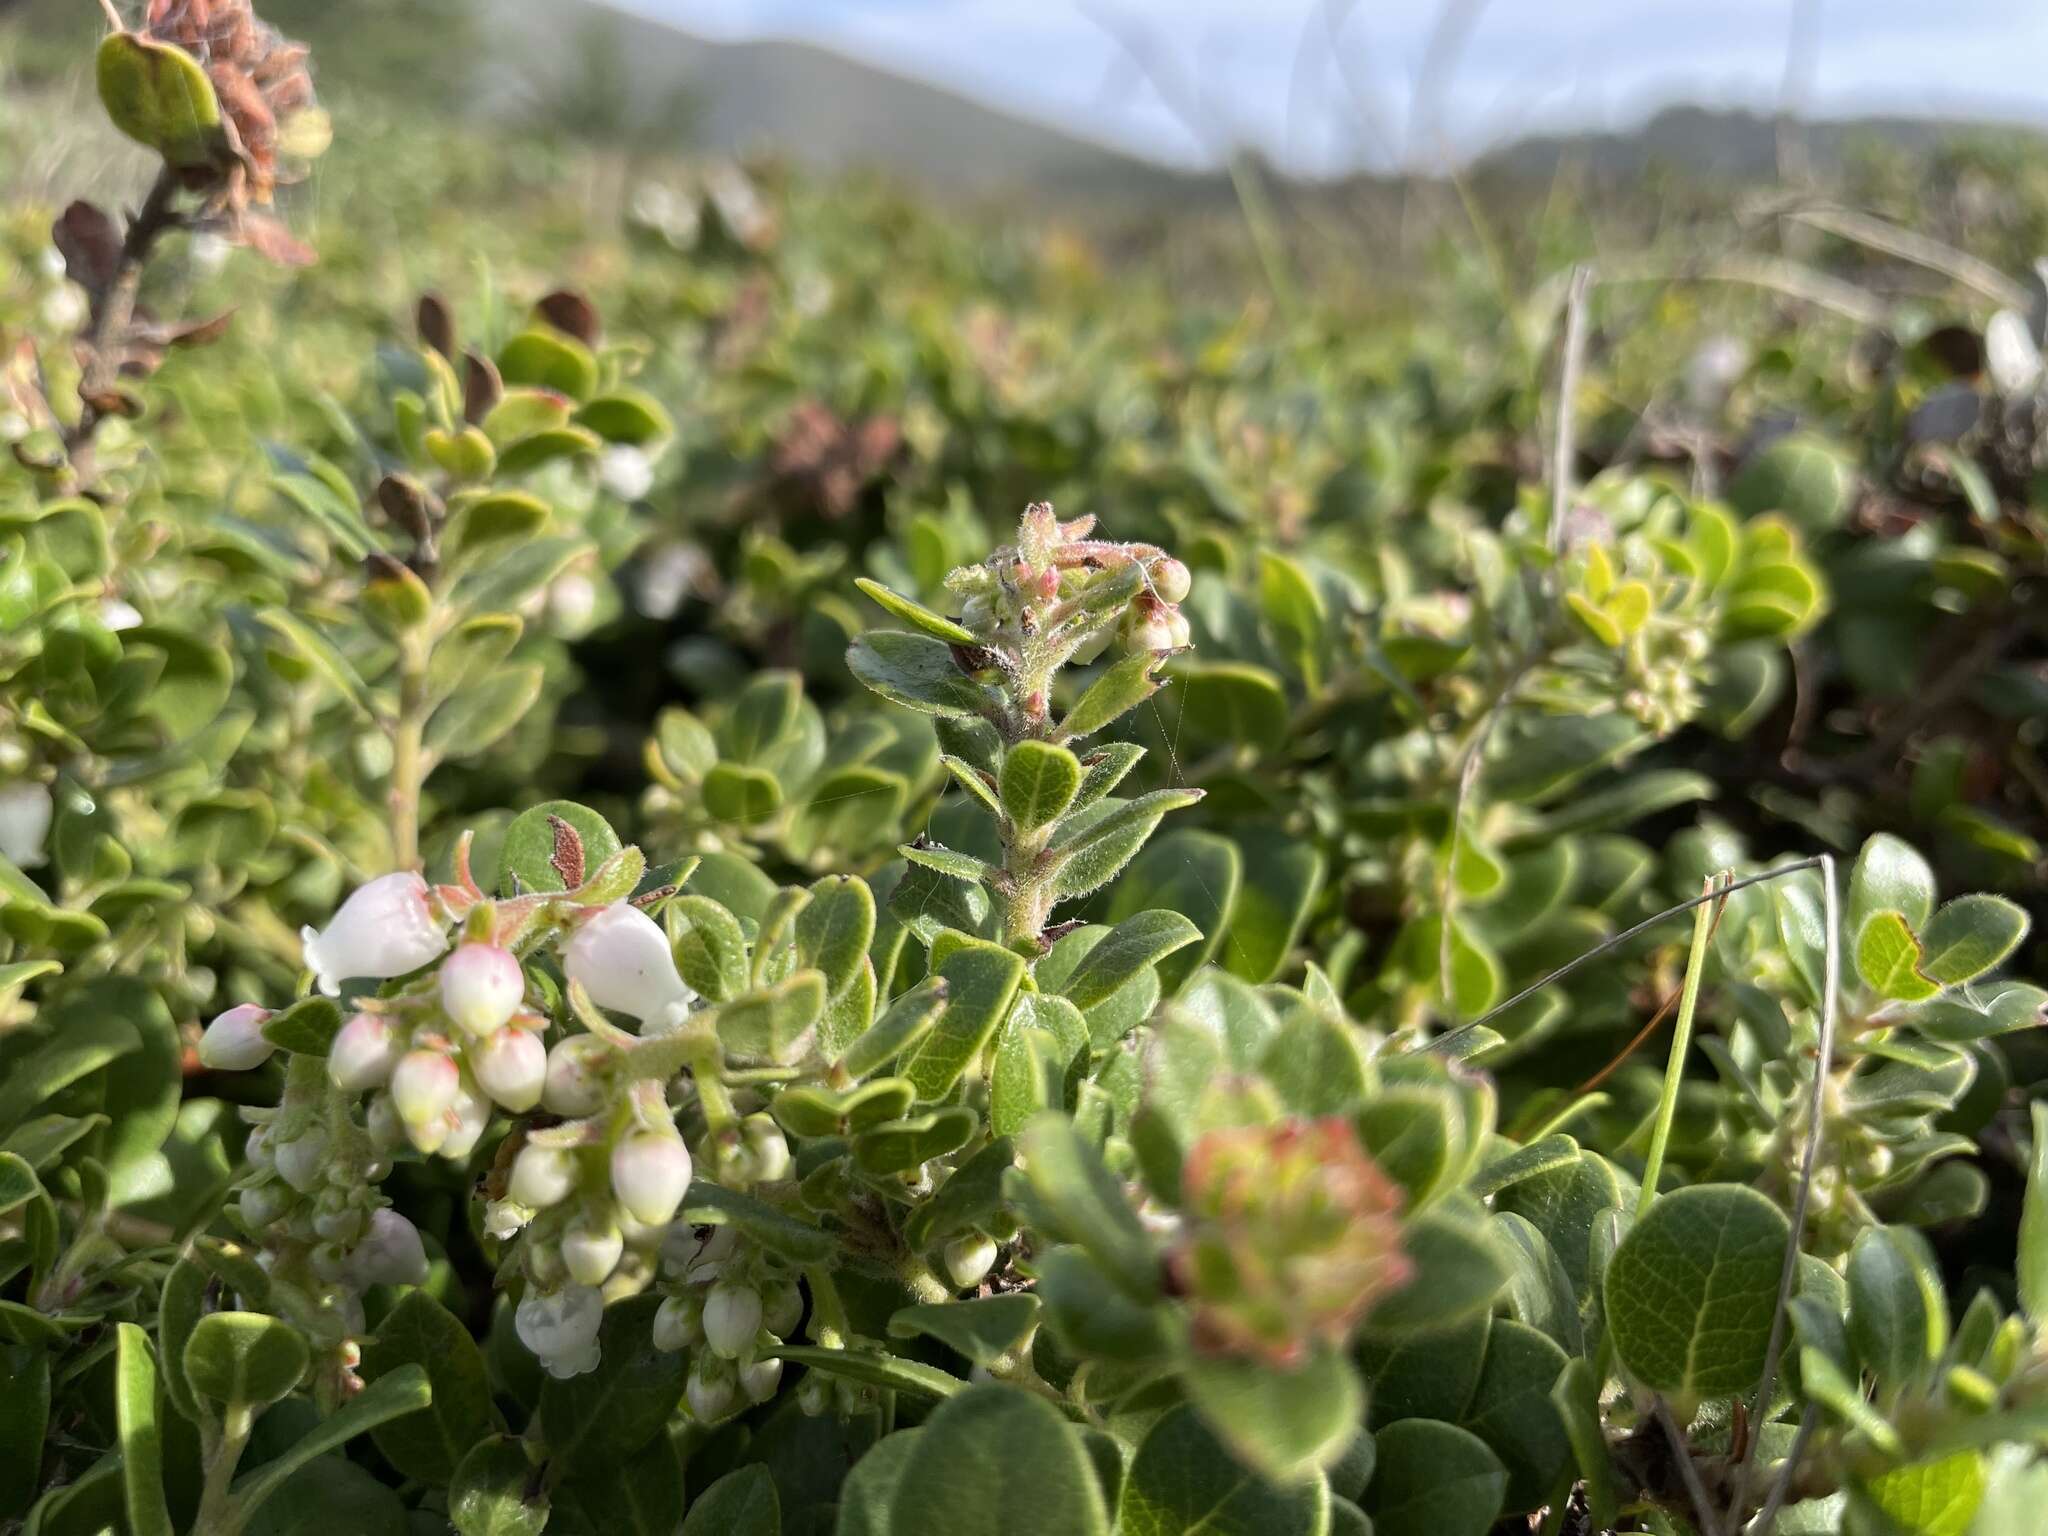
x=911 y=1132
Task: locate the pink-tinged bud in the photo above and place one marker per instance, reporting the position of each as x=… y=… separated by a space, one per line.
x=1177 y=629
x=1149 y=627
x=969 y=1259
x=363 y=1054
x=468 y=1117
x=760 y=1378
x=622 y=959
x=650 y=1172
x=575 y=1085
x=711 y=1392
x=481 y=986
x=234 y=1041
x=384 y=929
x=1170 y=580
x=26 y=810
x=511 y=1066
x=423 y=1086
x=591 y=1248
x=542 y=1176
x=428 y=1136
x=391 y=1253
x=303 y=1163
x=732 y=1318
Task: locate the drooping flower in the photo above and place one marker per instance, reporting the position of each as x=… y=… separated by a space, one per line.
x=561 y=1328
x=25 y=812
x=481 y=986
x=423 y=1086
x=542 y=1176
x=574 y=1087
x=969 y=1259
x=390 y=1253
x=234 y=1041
x=622 y=959
x=732 y=1317
x=363 y=1054
x=511 y=1066
x=650 y=1173
x=384 y=929
x=591 y=1247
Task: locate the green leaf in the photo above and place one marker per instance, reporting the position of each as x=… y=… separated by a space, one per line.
x=600 y=1418
x=1458 y=1270
x=901 y=1027
x=158 y=95
x=740 y=796
x=1800 y=476
x=1231 y=701
x=870 y=1488
x=473 y=718
x=498 y=1492
x=645 y=1497
x=768 y=1022
x=306 y=1028
x=1434 y=1479
x=18 y=1183
x=627 y=416
x=1691 y=1290
x=1183 y=1481
x=1281 y=878
x=313 y=648
x=1889 y=875
x=142 y=1448
x=1120 y=689
x=1577 y=1397
x=915 y=671
x=1036 y=1049
x=710 y=948
x=997 y=1461
x=1898 y=1318
x=24 y=1424
x=1427 y=1375
x=1295 y=609
x=982 y=1330
x=742 y=1503
x=1037 y=783
x=1284 y=1423
x=1193 y=873
x=471 y=650
x=760 y=1222
x=1092 y=846
x=430 y=1445
x=1511 y=1410
x=888 y=1372
x=968 y=1198
x=548 y=844
x=835 y=930
x=917 y=615
x=899 y=1146
x=1084 y=1202
x=244 y=1357
x=1969 y=936
x=1888 y=960
x=981 y=982
x=2033 y=1240
x=1929 y=1498
x=404 y=1391
x=1137 y=942
x=548 y=359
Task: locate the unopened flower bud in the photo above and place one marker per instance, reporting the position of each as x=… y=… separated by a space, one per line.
x=468 y=1117
x=782 y=1308
x=384 y=929
x=423 y=1087
x=363 y=1053
x=573 y=1087
x=481 y=986
x=591 y=1248
x=303 y=1163
x=257 y=1151
x=330 y=1263
x=391 y=1252
x=1151 y=626
x=622 y=959
x=387 y=1131
x=342 y=1224
x=650 y=1172
x=512 y=1067
x=732 y=1317
x=760 y=1378
x=768 y=1147
x=678 y=1323
x=814 y=1395
x=542 y=1176
x=234 y=1041
x=712 y=1393
x=1170 y=580
x=969 y=1259
x=261 y=1204
x=26 y=810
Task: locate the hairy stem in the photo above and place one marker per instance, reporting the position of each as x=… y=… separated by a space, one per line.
x=218 y=1515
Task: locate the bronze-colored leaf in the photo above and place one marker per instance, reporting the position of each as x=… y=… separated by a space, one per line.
x=570 y=312
x=436 y=324
x=482 y=386
x=90 y=245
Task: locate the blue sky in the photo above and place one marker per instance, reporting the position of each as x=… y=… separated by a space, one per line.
x=1324 y=84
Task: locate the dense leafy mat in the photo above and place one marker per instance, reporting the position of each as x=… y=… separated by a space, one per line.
x=762 y=978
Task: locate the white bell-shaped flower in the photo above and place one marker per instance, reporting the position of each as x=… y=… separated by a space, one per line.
x=511 y=1066
x=561 y=1328
x=969 y=1259
x=732 y=1317
x=542 y=1176
x=234 y=1041
x=363 y=1054
x=25 y=812
x=481 y=986
x=303 y=1163
x=650 y=1172
x=423 y=1087
x=575 y=1085
x=384 y=929
x=390 y=1253
x=468 y=1117
x=678 y=1323
x=622 y=959
x=760 y=1378
x=591 y=1247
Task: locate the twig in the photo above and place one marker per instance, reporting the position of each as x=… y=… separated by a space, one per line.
x=1564 y=447
x=1681 y=1042
x=1781 y=1485
x=1686 y=1470
x=105 y=339
x=1606 y=946
x=1809 y=1157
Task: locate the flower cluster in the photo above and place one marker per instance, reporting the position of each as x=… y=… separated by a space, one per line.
x=732 y=1307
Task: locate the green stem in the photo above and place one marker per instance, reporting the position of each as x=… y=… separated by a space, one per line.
x=1681 y=1041
x=218 y=1515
